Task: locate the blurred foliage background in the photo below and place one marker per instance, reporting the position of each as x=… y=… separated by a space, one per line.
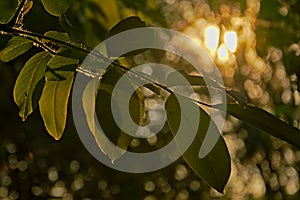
x=264 y=65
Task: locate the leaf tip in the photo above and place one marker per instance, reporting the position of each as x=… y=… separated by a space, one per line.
x=57 y=137
x=221 y=191
x=23 y=117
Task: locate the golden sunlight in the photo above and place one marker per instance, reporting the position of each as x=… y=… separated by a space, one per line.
x=230 y=39
x=212 y=38
x=223 y=52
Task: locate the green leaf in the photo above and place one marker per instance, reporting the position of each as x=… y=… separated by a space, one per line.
x=103 y=142
x=53 y=106
x=215 y=167
x=14 y=48
x=266 y=122
x=57 y=61
x=27 y=83
x=56 y=7
x=61 y=68
x=111 y=136
x=64 y=37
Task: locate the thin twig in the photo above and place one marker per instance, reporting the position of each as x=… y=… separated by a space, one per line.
x=25 y=33
x=42 y=45
x=14 y=20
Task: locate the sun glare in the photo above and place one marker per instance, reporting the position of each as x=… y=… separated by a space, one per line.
x=230 y=39
x=212 y=38
x=223 y=52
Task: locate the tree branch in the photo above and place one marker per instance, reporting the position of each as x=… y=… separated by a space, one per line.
x=31 y=35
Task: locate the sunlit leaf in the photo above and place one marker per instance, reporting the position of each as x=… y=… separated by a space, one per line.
x=103 y=142
x=56 y=7
x=61 y=68
x=88 y=103
x=27 y=83
x=58 y=36
x=53 y=106
x=215 y=167
x=265 y=122
x=111 y=135
x=58 y=61
x=14 y=48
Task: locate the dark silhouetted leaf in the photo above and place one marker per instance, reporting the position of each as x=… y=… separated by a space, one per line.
x=215 y=167
x=237 y=96
x=266 y=122
x=124 y=25
x=75 y=33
